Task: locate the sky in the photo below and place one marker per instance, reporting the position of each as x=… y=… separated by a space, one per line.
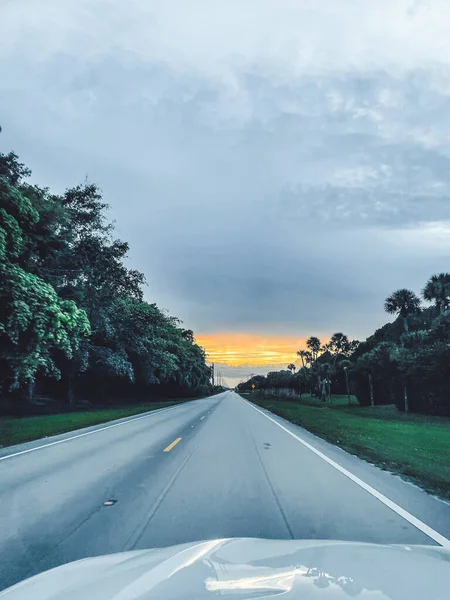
x=277 y=166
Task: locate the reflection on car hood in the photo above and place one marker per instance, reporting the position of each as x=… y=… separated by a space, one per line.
x=250 y=568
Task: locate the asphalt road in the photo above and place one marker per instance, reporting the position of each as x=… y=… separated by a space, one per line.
x=217 y=467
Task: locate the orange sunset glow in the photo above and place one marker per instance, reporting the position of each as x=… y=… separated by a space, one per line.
x=236 y=349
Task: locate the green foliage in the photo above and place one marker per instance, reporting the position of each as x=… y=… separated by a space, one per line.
x=34 y=320
x=437 y=290
x=304 y=356
x=406 y=362
x=17 y=216
x=314 y=346
x=403 y=303
x=339 y=344
x=410 y=365
x=158 y=350
x=69 y=306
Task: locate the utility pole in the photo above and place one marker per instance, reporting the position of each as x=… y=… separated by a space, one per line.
x=212 y=373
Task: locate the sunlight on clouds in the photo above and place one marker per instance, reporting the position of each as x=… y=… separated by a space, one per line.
x=236 y=349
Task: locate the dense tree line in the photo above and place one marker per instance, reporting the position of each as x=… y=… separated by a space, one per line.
x=406 y=362
x=73 y=320
x=323 y=371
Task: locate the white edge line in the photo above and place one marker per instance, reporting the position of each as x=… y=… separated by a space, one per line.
x=80 y=435
x=434 y=535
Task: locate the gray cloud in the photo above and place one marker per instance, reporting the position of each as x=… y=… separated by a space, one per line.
x=275 y=169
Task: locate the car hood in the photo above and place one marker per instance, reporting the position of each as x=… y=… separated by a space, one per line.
x=250 y=568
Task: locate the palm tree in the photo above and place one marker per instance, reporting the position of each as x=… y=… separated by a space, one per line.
x=292 y=368
x=437 y=290
x=365 y=363
x=339 y=343
x=339 y=346
x=325 y=383
x=403 y=303
x=314 y=346
x=346 y=365
x=303 y=355
x=307 y=359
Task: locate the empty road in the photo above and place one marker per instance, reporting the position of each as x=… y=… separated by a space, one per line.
x=216 y=467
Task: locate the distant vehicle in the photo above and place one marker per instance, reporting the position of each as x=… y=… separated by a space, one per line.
x=250 y=568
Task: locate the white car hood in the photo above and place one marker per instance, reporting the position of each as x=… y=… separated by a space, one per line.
x=250 y=568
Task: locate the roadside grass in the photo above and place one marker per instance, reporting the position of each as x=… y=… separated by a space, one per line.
x=414 y=446
x=337 y=401
x=15 y=430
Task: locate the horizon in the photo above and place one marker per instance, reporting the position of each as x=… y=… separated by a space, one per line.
x=275 y=179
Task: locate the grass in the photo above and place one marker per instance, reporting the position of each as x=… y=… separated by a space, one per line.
x=15 y=430
x=415 y=446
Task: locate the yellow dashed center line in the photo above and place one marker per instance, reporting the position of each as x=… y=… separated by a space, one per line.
x=170 y=446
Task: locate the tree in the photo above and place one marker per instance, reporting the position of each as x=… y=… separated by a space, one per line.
x=278 y=379
x=302 y=379
x=440 y=329
x=402 y=302
x=11 y=169
x=303 y=354
x=424 y=367
x=306 y=358
x=404 y=358
x=324 y=371
x=437 y=290
x=259 y=381
x=70 y=308
x=314 y=346
x=406 y=361
x=376 y=364
x=405 y=303
x=291 y=367
x=94 y=276
x=353 y=347
x=34 y=320
x=188 y=335
x=347 y=365
x=339 y=344
x=365 y=363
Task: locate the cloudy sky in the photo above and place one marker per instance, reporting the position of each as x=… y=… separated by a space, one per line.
x=278 y=166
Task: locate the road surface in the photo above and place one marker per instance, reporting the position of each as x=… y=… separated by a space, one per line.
x=216 y=467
